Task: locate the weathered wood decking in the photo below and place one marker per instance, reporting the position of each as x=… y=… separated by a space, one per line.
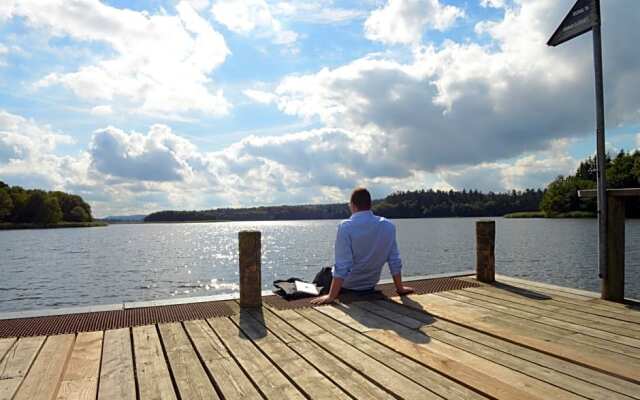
x=514 y=340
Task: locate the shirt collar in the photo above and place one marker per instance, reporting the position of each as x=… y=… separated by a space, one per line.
x=360 y=214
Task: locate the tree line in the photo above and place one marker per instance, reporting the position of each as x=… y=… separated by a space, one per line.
x=18 y=205
x=623 y=171
x=408 y=204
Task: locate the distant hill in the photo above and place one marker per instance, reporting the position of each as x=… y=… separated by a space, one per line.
x=125 y=218
x=411 y=204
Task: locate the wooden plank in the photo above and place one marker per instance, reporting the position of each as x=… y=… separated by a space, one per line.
x=154 y=379
x=228 y=376
x=117 y=379
x=16 y=363
x=5 y=345
x=580 y=333
x=438 y=383
x=524 y=366
x=585 y=374
x=631 y=345
x=581 y=303
x=576 y=308
x=190 y=376
x=528 y=333
x=344 y=376
x=278 y=327
x=305 y=375
x=547 y=375
x=552 y=306
x=490 y=378
x=384 y=376
x=270 y=381
x=592 y=299
x=574 y=293
x=43 y=378
x=80 y=379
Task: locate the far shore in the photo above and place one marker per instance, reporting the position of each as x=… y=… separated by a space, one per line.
x=15 y=226
x=542 y=214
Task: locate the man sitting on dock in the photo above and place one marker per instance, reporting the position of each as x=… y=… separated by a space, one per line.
x=365 y=242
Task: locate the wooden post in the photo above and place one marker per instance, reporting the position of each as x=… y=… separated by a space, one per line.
x=250 y=264
x=485 y=251
x=613 y=283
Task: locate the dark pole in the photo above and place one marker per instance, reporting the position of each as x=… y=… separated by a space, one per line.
x=602 y=175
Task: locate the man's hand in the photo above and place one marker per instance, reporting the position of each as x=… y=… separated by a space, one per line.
x=326 y=299
x=402 y=290
x=334 y=291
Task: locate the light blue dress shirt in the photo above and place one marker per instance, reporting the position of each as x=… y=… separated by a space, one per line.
x=365 y=242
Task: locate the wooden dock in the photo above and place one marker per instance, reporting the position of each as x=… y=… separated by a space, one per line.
x=512 y=340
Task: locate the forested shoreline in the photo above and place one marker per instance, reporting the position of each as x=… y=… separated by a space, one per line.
x=33 y=208
x=409 y=204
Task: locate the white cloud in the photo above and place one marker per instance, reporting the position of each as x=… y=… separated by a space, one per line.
x=259 y=96
x=161 y=63
x=252 y=17
x=460 y=115
x=3 y=51
x=200 y=5
x=531 y=170
x=493 y=3
x=638 y=140
x=404 y=21
x=467 y=104
x=315 y=12
x=6 y=9
x=132 y=172
x=142 y=172
x=27 y=153
x=21 y=138
x=102 y=110
x=158 y=156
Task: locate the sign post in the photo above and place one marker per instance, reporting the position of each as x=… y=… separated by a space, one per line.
x=585 y=17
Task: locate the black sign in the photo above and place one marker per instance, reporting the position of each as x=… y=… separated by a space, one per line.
x=582 y=17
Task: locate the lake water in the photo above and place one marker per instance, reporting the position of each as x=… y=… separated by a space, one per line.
x=121 y=263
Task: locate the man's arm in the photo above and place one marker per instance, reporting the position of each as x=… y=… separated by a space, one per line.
x=395 y=267
x=400 y=288
x=336 y=285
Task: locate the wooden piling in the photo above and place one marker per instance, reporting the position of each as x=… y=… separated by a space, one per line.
x=613 y=283
x=485 y=251
x=250 y=265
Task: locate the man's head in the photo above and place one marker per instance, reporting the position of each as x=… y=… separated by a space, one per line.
x=360 y=200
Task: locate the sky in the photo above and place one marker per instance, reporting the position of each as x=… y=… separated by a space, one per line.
x=140 y=106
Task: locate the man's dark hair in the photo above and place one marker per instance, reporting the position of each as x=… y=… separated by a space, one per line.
x=361 y=198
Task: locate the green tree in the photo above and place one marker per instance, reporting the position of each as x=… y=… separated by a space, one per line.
x=20 y=198
x=42 y=208
x=78 y=214
x=620 y=171
x=562 y=196
x=587 y=170
x=636 y=167
x=6 y=205
x=68 y=202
